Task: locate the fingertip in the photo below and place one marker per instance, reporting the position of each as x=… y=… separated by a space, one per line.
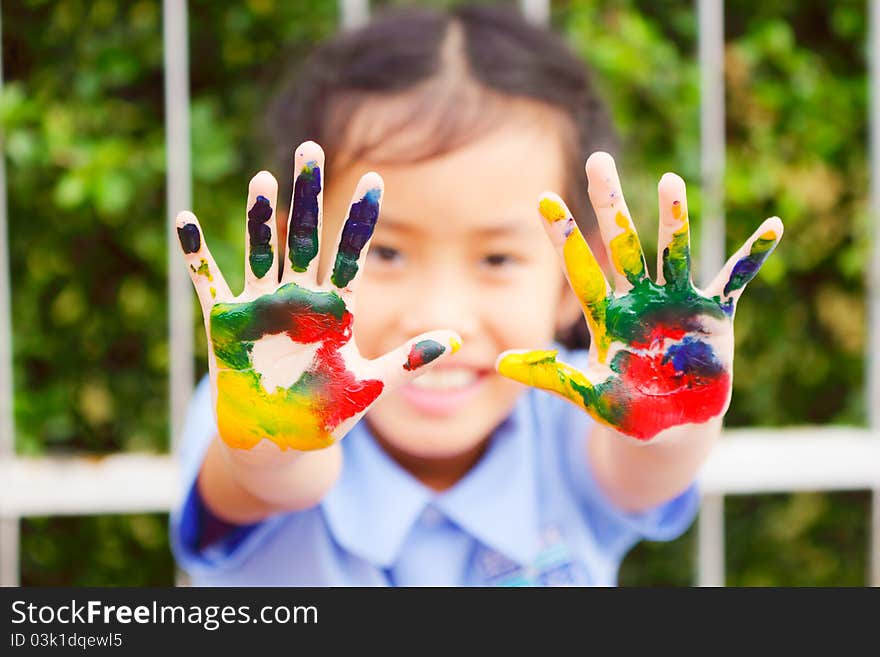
x=309 y=150
x=599 y=160
x=263 y=183
x=185 y=217
x=552 y=207
x=371 y=180
x=670 y=181
x=775 y=225
x=370 y=187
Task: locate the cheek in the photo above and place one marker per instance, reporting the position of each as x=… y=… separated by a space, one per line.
x=524 y=311
x=380 y=306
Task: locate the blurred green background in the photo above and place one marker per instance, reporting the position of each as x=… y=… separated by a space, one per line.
x=82 y=111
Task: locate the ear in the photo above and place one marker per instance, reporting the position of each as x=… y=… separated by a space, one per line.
x=570 y=310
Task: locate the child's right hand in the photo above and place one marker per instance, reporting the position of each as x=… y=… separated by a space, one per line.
x=283 y=363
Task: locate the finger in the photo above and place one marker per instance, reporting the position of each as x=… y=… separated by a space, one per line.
x=674 y=240
x=540 y=369
x=304 y=224
x=355 y=235
x=260 y=241
x=415 y=357
x=581 y=268
x=743 y=265
x=615 y=223
x=210 y=285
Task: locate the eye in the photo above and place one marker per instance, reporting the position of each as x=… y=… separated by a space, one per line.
x=497 y=260
x=384 y=254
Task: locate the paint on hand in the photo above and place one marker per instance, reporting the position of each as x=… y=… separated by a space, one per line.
x=647 y=392
x=677 y=254
x=303 y=415
x=454 y=344
x=422 y=353
x=746 y=268
x=190 y=239
x=203 y=269
x=626 y=251
x=302 y=239
x=584 y=274
x=664 y=370
x=357 y=232
x=260 y=257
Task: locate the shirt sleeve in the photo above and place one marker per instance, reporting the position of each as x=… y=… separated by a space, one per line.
x=612 y=526
x=201 y=542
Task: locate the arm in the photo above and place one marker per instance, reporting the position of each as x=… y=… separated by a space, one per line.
x=639 y=476
x=660 y=367
x=287 y=381
x=244 y=490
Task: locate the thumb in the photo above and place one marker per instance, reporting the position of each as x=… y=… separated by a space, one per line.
x=415 y=357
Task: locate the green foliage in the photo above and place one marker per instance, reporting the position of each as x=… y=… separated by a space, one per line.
x=82 y=113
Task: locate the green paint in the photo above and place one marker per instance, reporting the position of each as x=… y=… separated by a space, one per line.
x=203 y=269
x=302 y=239
x=422 y=353
x=677 y=258
x=356 y=233
x=302 y=313
x=260 y=257
x=190 y=239
x=746 y=268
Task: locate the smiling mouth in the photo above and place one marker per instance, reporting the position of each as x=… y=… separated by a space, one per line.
x=453 y=378
x=444 y=391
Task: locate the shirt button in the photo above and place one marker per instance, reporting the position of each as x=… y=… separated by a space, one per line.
x=432 y=517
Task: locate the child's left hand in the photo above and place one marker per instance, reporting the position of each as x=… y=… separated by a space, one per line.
x=661 y=353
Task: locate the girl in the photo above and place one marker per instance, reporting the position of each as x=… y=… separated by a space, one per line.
x=411 y=336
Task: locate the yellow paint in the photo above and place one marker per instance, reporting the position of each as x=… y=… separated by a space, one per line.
x=455 y=344
x=213 y=292
x=203 y=269
x=626 y=252
x=770 y=235
x=676 y=210
x=247 y=413
x=551 y=210
x=540 y=369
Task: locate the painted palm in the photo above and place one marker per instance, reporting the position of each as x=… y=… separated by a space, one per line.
x=662 y=352
x=283 y=363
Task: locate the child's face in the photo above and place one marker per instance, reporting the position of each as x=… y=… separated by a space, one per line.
x=459 y=246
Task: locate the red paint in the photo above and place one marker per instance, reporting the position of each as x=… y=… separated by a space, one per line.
x=656 y=397
x=415 y=359
x=659 y=333
x=337 y=392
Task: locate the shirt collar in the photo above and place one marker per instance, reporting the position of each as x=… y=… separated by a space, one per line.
x=375 y=502
x=496 y=502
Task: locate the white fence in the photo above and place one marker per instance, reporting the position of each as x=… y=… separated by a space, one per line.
x=746 y=461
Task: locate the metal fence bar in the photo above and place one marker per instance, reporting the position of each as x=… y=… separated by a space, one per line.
x=872 y=395
x=710 y=14
x=745 y=462
x=537 y=11
x=710 y=541
x=353 y=13
x=9 y=524
x=710 y=31
x=179 y=197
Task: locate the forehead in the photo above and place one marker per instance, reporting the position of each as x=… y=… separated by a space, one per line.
x=484 y=184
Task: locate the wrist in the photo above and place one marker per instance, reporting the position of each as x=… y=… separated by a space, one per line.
x=285 y=480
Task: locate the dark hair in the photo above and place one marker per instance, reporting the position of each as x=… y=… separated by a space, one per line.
x=456 y=71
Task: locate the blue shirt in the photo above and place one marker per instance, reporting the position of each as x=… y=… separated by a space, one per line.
x=528 y=513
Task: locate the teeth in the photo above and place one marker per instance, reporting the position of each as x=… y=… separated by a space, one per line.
x=446 y=379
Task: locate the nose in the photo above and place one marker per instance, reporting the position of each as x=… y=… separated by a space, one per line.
x=443 y=300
